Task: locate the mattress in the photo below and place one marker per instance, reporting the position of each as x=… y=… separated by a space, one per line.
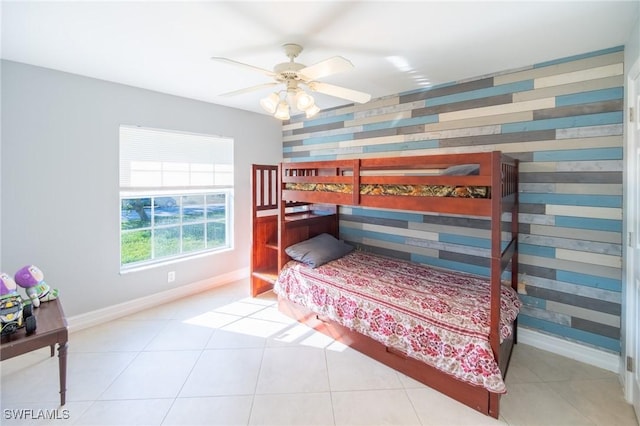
x=436 y=316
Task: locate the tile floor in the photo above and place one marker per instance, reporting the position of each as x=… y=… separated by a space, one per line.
x=223 y=358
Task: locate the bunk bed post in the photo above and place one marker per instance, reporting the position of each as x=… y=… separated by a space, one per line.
x=496 y=251
x=496 y=267
x=282 y=206
x=515 y=230
x=356 y=182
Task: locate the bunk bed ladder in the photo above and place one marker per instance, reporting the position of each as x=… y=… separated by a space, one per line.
x=264 y=223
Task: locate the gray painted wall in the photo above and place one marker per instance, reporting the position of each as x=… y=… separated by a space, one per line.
x=59 y=195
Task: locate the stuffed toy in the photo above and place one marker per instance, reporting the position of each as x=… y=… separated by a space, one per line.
x=7 y=285
x=31 y=278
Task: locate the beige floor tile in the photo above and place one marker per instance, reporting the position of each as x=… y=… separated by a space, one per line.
x=153 y=375
x=293 y=369
x=599 y=400
x=205 y=411
x=410 y=383
x=224 y=372
x=18 y=363
x=228 y=339
x=435 y=408
x=210 y=320
x=351 y=370
x=179 y=335
x=255 y=327
x=518 y=373
x=538 y=404
x=166 y=311
x=239 y=308
x=297 y=334
x=303 y=409
x=373 y=407
x=116 y=336
x=37 y=383
x=204 y=302
x=94 y=372
x=144 y=412
x=271 y=313
x=551 y=367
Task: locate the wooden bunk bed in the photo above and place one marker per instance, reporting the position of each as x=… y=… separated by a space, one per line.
x=294 y=202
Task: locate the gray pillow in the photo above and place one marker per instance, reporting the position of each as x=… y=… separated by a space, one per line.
x=318 y=250
x=462 y=170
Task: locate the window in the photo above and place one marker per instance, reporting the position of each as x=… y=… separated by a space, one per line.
x=175 y=195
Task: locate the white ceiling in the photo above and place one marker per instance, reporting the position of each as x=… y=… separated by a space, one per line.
x=166 y=46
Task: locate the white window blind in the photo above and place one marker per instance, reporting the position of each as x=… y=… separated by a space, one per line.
x=152 y=159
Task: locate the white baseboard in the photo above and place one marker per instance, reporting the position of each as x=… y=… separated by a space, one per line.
x=588 y=355
x=100 y=316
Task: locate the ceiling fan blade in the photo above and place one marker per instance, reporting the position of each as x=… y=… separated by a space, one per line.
x=250 y=89
x=242 y=64
x=327 y=67
x=339 y=92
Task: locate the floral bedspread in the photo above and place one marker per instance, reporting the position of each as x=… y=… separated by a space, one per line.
x=436 y=316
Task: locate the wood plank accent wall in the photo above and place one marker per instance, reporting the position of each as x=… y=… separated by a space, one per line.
x=563 y=120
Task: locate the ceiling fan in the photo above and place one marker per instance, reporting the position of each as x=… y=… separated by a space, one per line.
x=295 y=76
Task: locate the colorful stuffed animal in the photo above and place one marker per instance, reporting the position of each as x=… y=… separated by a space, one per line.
x=31 y=278
x=7 y=285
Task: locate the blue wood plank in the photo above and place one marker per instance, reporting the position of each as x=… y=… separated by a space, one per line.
x=360 y=233
x=448 y=264
x=614 y=93
x=327 y=139
x=535 y=302
x=572 y=199
x=592 y=154
x=589 y=280
x=589 y=223
x=534 y=250
x=387 y=214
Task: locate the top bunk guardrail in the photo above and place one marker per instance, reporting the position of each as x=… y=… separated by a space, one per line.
x=445 y=183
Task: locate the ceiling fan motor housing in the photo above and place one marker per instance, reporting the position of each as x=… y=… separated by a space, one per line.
x=287 y=71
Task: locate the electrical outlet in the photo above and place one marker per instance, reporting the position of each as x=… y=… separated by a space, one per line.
x=171 y=276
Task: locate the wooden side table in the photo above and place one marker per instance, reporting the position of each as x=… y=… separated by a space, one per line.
x=51 y=330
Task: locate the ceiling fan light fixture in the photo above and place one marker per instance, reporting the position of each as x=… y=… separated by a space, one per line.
x=282 y=111
x=304 y=101
x=312 y=111
x=294 y=74
x=270 y=103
